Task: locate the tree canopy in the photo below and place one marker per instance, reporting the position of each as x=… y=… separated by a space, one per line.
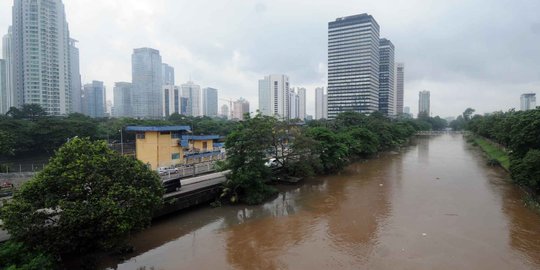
x=88 y=197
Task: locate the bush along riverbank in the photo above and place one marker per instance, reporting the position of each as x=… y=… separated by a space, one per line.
x=496 y=155
x=297 y=150
x=519 y=133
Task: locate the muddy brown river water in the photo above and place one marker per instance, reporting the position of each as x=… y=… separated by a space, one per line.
x=433 y=205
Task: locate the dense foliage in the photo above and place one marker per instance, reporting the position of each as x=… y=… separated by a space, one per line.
x=17 y=256
x=87 y=198
x=29 y=130
x=321 y=147
x=519 y=132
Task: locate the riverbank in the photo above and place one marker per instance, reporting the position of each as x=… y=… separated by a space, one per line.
x=493 y=151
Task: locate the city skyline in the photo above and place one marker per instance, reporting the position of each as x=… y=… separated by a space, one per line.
x=233 y=65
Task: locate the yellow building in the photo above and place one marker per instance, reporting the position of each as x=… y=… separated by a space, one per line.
x=170 y=146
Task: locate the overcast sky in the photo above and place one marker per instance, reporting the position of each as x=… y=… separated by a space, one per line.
x=469 y=53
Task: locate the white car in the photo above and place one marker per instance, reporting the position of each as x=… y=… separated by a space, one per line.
x=271 y=163
x=165 y=170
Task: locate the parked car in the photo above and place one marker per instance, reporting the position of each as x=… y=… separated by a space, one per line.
x=165 y=170
x=271 y=163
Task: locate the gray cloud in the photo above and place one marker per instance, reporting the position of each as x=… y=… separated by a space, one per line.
x=480 y=54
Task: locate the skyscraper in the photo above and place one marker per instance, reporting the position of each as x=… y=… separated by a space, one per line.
x=301 y=103
x=75 y=78
x=40 y=55
x=400 y=87
x=3 y=87
x=353 y=65
x=171 y=100
x=225 y=111
x=123 y=95
x=192 y=92
x=320 y=104
x=9 y=94
x=424 y=103
x=293 y=105
x=167 y=74
x=93 y=100
x=386 y=78
x=240 y=107
x=210 y=102
x=274 y=95
x=528 y=101
x=147 y=83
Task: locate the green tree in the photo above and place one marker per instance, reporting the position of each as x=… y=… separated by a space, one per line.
x=526 y=171
x=17 y=256
x=7 y=143
x=88 y=197
x=331 y=148
x=247 y=147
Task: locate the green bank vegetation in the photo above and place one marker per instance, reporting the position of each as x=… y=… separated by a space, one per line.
x=88 y=198
x=519 y=133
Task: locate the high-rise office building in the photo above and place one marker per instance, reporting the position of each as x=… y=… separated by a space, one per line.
x=147 y=83
x=93 y=100
x=3 y=87
x=171 y=100
x=210 y=102
x=75 y=78
x=320 y=104
x=353 y=65
x=40 y=55
x=167 y=74
x=386 y=78
x=274 y=95
x=400 y=87
x=240 y=107
x=424 y=103
x=123 y=96
x=192 y=92
x=225 y=111
x=528 y=101
x=9 y=94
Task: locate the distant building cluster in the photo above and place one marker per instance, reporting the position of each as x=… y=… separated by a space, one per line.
x=424 y=105
x=278 y=98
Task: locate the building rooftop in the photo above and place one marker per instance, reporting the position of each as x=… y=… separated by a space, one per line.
x=158 y=128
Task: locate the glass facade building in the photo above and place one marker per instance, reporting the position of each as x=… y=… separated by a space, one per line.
x=353 y=65
x=400 y=87
x=147 y=83
x=210 y=102
x=386 y=78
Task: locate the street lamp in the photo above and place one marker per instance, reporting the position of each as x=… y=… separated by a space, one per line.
x=121 y=141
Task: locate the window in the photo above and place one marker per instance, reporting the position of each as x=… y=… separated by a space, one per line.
x=175 y=156
x=141 y=136
x=165 y=132
x=205 y=145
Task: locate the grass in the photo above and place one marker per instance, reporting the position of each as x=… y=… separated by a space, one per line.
x=494 y=152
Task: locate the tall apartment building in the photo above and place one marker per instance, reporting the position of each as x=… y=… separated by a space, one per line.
x=240 y=107
x=528 y=101
x=75 y=78
x=353 y=65
x=3 y=88
x=147 y=83
x=93 y=100
x=424 y=103
x=225 y=111
x=40 y=55
x=400 y=87
x=293 y=105
x=8 y=93
x=167 y=74
x=192 y=92
x=172 y=100
x=274 y=95
x=210 y=102
x=301 y=95
x=386 y=78
x=123 y=96
x=321 y=104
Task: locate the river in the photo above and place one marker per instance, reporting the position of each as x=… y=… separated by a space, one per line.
x=433 y=205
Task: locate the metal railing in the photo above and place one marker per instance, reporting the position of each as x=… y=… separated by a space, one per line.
x=190 y=171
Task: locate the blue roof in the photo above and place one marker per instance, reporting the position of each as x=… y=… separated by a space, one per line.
x=158 y=128
x=200 y=138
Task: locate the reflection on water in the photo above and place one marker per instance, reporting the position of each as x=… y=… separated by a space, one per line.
x=434 y=205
